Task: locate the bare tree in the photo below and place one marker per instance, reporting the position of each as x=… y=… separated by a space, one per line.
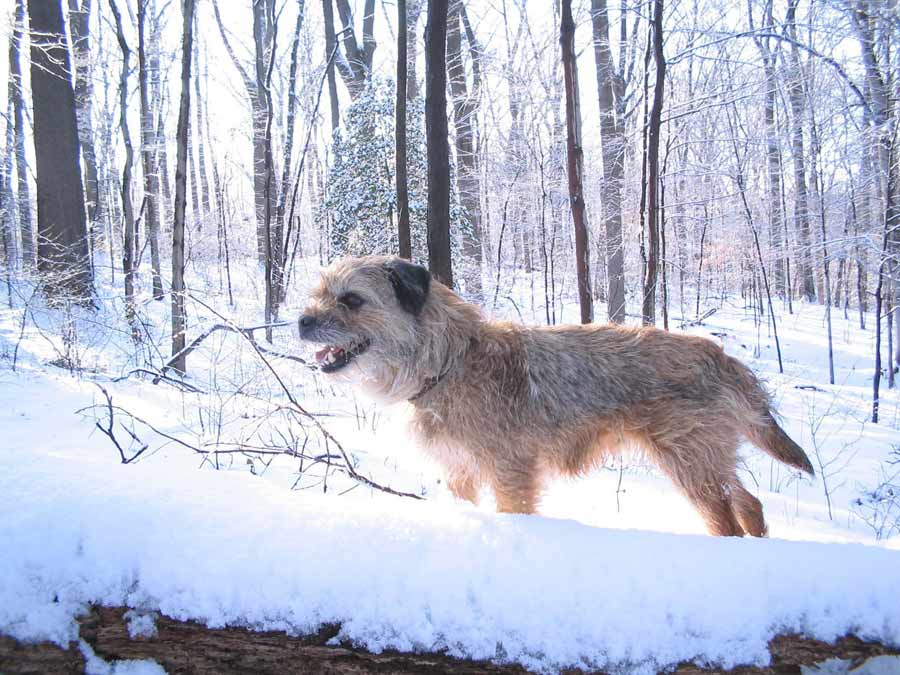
x=575 y=161
x=80 y=30
x=465 y=107
x=773 y=154
x=438 y=148
x=128 y=247
x=263 y=36
x=355 y=63
x=148 y=155
x=801 y=198
x=63 y=252
x=653 y=222
x=403 y=234
x=17 y=102
x=611 y=88
x=179 y=322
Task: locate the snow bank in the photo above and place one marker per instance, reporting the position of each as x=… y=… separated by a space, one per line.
x=225 y=548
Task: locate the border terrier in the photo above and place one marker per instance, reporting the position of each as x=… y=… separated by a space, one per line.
x=505 y=406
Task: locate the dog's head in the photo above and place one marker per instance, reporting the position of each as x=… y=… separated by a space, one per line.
x=367 y=316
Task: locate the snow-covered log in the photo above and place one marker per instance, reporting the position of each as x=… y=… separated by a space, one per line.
x=186 y=646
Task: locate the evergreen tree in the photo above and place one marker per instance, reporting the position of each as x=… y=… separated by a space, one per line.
x=362 y=199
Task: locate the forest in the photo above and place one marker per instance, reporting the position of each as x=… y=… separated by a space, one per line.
x=176 y=173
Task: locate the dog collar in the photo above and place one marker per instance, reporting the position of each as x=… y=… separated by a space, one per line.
x=430 y=384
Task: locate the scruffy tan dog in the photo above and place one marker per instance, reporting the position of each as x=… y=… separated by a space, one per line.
x=505 y=405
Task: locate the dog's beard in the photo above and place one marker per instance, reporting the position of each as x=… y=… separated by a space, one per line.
x=379 y=377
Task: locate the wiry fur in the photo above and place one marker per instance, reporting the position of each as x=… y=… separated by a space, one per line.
x=514 y=404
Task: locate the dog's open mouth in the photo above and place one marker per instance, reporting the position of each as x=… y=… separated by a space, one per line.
x=332 y=358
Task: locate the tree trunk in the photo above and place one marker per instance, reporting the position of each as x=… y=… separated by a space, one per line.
x=438 y=148
x=330 y=43
x=413 y=12
x=7 y=202
x=148 y=156
x=63 y=253
x=80 y=30
x=205 y=207
x=801 y=199
x=649 y=306
x=23 y=196
x=281 y=225
x=403 y=234
x=179 y=323
x=464 y=111
x=128 y=246
x=575 y=161
x=773 y=154
x=612 y=134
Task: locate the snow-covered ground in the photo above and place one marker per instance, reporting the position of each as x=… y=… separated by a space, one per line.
x=616 y=572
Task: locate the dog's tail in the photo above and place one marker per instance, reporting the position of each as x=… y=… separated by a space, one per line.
x=761 y=429
x=772 y=439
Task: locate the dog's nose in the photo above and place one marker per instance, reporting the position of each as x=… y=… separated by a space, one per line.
x=307 y=321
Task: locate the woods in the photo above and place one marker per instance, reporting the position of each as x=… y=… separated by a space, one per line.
x=471 y=181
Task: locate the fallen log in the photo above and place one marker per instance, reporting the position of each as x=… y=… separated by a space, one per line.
x=190 y=647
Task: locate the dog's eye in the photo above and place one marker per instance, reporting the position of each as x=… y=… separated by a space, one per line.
x=351 y=301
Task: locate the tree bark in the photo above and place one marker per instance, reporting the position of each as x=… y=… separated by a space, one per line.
x=575 y=162
x=773 y=154
x=465 y=106
x=148 y=156
x=128 y=246
x=281 y=225
x=612 y=134
x=330 y=41
x=186 y=646
x=63 y=252
x=438 y=148
x=262 y=37
x=649 y=306
x=413 y=12
x=356 y=66
x=179 y=323
x=80 y=30
x=400 y=173
x=801 y=198
x=23 y=196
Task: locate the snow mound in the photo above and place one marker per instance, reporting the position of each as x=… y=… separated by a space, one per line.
x=224 y=548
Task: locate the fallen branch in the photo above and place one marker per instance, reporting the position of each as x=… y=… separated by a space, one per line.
x=699 y=320
x=246 y=332
x=348 y=465
x=160 y=377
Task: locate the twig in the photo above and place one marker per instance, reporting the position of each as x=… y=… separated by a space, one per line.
x=111 y=434
x=247 y=332
x=329 y=438
x=160 y=377
x=699 y=320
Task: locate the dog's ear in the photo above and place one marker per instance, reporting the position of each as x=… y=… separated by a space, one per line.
x=410 y=282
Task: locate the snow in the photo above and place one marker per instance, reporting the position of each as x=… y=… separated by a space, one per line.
x=614 y=575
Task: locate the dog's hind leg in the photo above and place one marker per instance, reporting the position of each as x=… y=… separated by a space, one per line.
x=748 y=510
x=698 y=476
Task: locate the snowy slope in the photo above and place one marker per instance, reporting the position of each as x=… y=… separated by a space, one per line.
x=225 y=548
x=617 y=572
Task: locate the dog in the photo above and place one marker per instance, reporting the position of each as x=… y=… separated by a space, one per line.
x=505 y=406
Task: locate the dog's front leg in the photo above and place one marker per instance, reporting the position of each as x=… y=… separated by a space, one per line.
x=516 y=487
x=464 y=484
